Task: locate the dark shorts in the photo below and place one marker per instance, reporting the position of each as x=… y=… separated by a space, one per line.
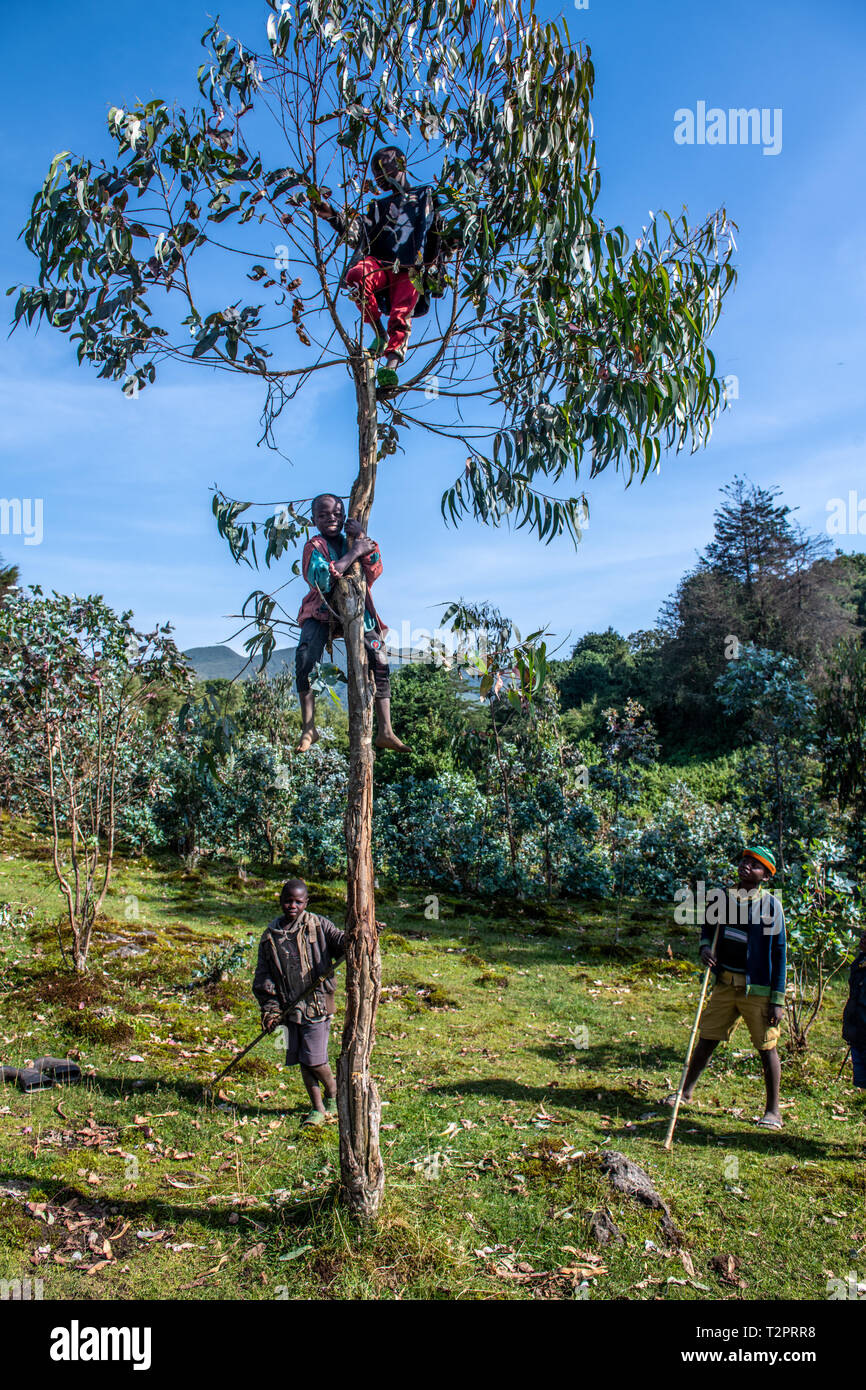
x=311 y=647
x=307 y=1043
x=858 y=1060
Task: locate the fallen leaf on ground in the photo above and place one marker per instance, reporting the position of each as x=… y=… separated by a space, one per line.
x=296 y=1254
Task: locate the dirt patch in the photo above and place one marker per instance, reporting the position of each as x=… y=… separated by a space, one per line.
x=65 y=990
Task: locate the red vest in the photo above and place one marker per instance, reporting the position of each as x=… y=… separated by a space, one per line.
x=313 y=605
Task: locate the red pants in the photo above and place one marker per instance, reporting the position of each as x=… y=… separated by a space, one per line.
x=370 y=277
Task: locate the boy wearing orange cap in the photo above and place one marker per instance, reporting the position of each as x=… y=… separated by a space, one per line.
x=743 y=943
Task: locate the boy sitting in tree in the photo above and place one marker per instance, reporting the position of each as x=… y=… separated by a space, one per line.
x=297 y=948
x=398 y=236
x=326 y=557
x=749 y=965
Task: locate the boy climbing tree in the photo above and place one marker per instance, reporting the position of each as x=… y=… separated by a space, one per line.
x=396 y=239
x=558 y=348
x=327 y=557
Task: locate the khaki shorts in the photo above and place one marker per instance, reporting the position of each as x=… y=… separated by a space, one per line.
x=728 y=1003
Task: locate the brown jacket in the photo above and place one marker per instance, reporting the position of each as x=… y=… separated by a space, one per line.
x=290 y=958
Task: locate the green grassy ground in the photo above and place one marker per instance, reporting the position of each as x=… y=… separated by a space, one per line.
x=511 y=1050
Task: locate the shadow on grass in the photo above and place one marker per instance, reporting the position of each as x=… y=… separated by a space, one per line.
x=194 y=1092
x=614 y=1055
x=596 y=1102
x=295 y=1216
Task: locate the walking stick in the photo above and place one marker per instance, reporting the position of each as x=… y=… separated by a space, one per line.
x=670 y=1134
x=844 y=1064
x=265 y=1031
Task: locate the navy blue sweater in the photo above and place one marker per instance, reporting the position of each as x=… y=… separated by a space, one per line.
x=762 y=918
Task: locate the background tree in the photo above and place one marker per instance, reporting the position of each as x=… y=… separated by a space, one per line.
x=554 y=341
x=770 y=692
x=427 y=709
x=629 y=749
x=74 y=681
x=760 y=580
x=8 y=578
x=823 y=925
x=842 y=736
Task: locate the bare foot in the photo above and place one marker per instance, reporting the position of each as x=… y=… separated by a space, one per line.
x=390 y=740
x=306 y=741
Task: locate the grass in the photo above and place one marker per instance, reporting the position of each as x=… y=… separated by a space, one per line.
x=513 y=1046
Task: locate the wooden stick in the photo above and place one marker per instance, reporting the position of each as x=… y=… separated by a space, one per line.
x=844 y=1064
x=670 y=1134
x=282 y=1019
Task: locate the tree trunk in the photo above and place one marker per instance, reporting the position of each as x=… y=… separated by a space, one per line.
x=362 y=1175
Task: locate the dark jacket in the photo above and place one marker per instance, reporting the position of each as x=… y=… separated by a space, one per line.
x=854 y=1015
x=766 y=947
x=404 y=228
x=290 y=957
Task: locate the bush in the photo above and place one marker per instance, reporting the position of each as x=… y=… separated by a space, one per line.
x=687 y=842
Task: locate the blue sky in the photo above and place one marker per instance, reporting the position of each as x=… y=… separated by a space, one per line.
x=125 y=483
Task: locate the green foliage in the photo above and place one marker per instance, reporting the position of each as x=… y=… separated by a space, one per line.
x=686 y=842
x=823 y=925
x=601 y=670
x=584 y=344
x=768 y=691
x=223 y=960
x=8 y=577
x=426 y=708
x=75 y=681
x=446 y=834
x=762 y=581
x=842 y=734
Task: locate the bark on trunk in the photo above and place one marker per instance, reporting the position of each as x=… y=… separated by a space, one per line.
x=362 y=1175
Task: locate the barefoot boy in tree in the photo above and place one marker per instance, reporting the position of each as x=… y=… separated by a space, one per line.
x=297 y=948
x=327 y=556
x=749 y=967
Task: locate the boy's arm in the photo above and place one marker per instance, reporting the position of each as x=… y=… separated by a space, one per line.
x=264 y=987
x=778 y=956
x=372 y=566
x=317 y=571
x=335 y=939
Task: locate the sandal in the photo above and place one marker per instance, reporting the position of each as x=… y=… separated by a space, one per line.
x=315 y=1117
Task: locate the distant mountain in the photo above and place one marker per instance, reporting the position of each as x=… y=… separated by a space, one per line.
x=222 y=663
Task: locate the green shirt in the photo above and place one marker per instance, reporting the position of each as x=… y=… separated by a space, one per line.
x=319 y=575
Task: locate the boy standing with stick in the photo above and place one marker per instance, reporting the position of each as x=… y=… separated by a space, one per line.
x=743 y=944
x=298 y=948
